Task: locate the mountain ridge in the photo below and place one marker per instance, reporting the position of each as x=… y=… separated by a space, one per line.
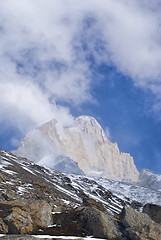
x=85 y=142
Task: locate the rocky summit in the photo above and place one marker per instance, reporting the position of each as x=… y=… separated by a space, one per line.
x=40 y=202
x=85 y=143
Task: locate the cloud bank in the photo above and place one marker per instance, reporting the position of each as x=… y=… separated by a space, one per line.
x=47 y=49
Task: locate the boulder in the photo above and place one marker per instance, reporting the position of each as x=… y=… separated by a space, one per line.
x=40 y=212
x=19 y=221
x=133 y=219
x=86 y=221
x=3 y=227
x=149 y=232
x=110 y=227
x=153 y=211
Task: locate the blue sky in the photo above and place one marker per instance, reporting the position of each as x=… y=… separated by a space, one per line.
x=62 y=59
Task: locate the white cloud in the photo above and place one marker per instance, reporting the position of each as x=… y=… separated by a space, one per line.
x=107 y=132
x=42 y=59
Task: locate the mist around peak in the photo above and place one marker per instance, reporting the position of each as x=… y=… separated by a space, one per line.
x=84 y=147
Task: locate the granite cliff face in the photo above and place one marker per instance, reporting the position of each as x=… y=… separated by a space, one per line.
x=85 y=143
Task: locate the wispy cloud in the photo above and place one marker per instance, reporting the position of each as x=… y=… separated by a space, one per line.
x=47 y=47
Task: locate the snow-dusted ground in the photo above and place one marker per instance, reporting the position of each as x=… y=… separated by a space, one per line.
x=111 y=194
x=123 y=190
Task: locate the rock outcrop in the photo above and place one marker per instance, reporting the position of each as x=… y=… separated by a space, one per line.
x=40 y=212
x=148 y=232
x=85 y=143
x=19 y=221
x=25 y=216
x=133 y=219
x=153 y=211
x=139 y=226
x=85 y=221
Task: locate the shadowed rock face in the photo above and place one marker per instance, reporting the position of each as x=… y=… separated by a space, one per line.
x=85 y=143
x=153 y=211
x=85 y=221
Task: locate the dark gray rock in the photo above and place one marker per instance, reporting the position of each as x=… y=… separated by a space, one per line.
x=131 y=218
x=153 y=211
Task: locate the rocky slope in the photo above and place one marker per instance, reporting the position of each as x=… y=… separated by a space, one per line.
x=38 y=200
x=149 y=179
x=85 y=143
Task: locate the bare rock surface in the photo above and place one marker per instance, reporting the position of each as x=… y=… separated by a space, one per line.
x=131 y=218
x=153 y=211
x=85 y=142
x=19 y=221
x=40 y=212
x=148 y=232
x=85 y=221
x=3 y=227
x=139 y=226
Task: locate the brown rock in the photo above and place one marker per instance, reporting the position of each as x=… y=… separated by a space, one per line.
x=13 y=203
x=153 y=211
x=155 y=231
x=149 y=232
x=19 y=221
x=2 y=179
x=85 y=221
x=89 y=202
x=40 y=212
x=39 y=184
x=3 y=227
x=131 y=218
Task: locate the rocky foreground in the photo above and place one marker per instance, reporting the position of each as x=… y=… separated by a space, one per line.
x=38 y=201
